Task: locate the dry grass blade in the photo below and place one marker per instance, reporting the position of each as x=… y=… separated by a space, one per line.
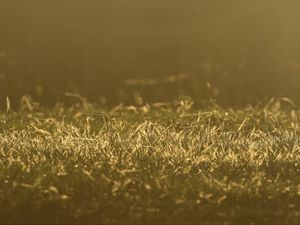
x=164 y=166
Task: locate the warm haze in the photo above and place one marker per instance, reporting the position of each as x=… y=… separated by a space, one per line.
x=123 y=112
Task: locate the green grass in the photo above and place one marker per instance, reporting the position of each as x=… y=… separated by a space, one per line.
x=150 y=165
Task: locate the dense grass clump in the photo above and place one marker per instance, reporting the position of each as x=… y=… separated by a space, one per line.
x=150 y=165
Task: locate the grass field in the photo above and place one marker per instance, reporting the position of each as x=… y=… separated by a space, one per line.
x=151 y=164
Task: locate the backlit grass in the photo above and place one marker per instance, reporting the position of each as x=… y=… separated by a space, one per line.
x=165 y=164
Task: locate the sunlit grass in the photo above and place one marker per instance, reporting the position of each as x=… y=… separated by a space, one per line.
x=148 y=164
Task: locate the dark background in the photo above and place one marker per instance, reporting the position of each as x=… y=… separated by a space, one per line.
x=237 y=52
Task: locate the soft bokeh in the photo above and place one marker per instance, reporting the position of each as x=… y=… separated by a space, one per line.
x=237 y=52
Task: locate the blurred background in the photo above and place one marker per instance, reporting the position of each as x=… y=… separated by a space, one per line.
x=237 y=52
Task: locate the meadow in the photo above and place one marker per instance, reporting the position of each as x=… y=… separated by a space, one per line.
x=164 y=163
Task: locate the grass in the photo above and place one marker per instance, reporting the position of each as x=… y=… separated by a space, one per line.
x=150 y=164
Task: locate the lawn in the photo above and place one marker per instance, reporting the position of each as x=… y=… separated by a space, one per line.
x=156 y=163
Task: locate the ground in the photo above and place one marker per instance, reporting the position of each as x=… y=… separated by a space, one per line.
x=149 y=164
